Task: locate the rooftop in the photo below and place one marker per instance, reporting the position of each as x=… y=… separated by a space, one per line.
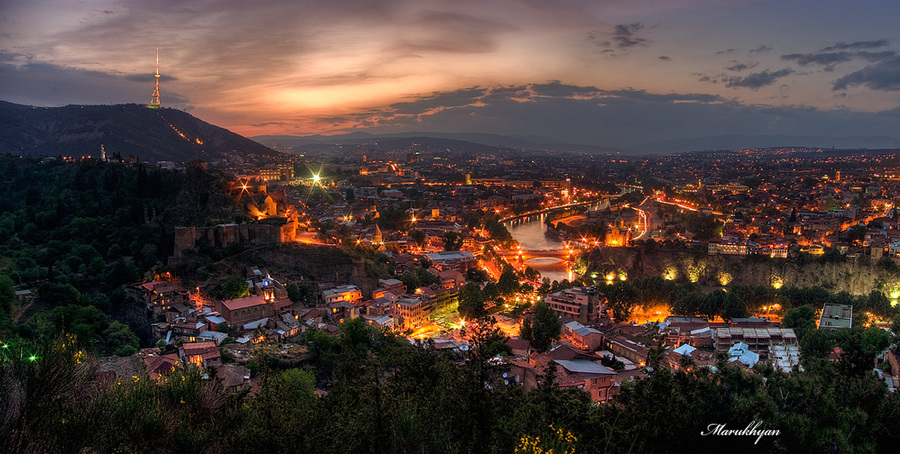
x=247 y=301
x=583 y=366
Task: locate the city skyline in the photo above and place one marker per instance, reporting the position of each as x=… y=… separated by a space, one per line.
x=614 y=73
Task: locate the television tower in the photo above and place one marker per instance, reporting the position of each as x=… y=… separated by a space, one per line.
x=154 y=101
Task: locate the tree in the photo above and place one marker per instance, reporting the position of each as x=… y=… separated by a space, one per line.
x=508 y=283
x=621 y=297
x=293 y=291
x=478 y=275
x=418 y=236
x=120 y=339
x=531 y=274
x=452 y=241
x=59 y=294
x=802 y=319
x=543 y=329
x=471 y=301
x=733 y=307
x=856 y=234
x=235 y=287
x=7 y=295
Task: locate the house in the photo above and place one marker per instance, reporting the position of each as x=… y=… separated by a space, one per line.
x=687 y=354
x=233 y=377
x=740 y=353
x=379 y=321
x=343 y=310
x=522 y=373
x=693 y=330
x=836 y=316
x=176 y=311
x=757 y=339
x=160 y=366
x=348 y=293
x=159 y=295
x=450 y=279
x=581 y=336
x=394 y=286
x=243 y=310
x=452 y=260
x=593 y=378
x=410 y=312
x=188 y=331
x=728 y=246
x=200 y=354
x=211 y=336
x=24 y=297
x=622 y=346
x=560 y=352
x=289 y=325
x=520 y=348
x=577 y=303
x=215 y=321
x=784 y=357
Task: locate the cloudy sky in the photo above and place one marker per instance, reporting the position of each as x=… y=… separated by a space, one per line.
x=610 y=72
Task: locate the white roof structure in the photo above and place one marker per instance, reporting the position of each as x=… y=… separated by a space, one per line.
x=685 y=349
x=784 y=357
x=740 y=352
x=214 y=336
x=253 y=325
x=737 y=348
x=583 y=366
x=580 y=329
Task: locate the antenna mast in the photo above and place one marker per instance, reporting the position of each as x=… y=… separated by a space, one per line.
x=154 y=101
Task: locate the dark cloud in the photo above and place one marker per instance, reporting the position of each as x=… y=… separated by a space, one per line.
x=726 y=51
x=442 y=100
x=621 y=38
x=857 y=45
x=664 y=58
x=884 y=75
x=625 y=35
x=762 y=49
x=148 y=77
x=269 y=123
x=620 y=118
x=830 y=59
x=37 y=83
x=738 y=67
x=645 y=97
x=757 y=80
x=555 y=88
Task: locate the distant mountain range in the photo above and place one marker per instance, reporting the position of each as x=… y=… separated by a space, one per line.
x=163 y=134
x=151 y=134
x=723 y=142
x=491 y=140
x=727 y=142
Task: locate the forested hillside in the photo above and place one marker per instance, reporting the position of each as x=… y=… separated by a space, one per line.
x=149 y=134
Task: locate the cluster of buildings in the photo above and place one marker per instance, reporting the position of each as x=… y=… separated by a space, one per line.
x=599 y=357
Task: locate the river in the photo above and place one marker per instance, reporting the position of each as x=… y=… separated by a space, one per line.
x=529 y=232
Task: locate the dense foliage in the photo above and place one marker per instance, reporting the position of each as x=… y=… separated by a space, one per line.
x=385 y=395
x=689 y=298
x=74 y=233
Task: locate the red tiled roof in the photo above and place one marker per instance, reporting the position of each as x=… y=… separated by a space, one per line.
x=247 y=301
x=199 y=348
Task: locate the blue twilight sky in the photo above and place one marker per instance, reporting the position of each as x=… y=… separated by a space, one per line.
x=608 y=72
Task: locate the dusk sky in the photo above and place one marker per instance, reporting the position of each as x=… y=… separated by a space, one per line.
x=617 y=73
